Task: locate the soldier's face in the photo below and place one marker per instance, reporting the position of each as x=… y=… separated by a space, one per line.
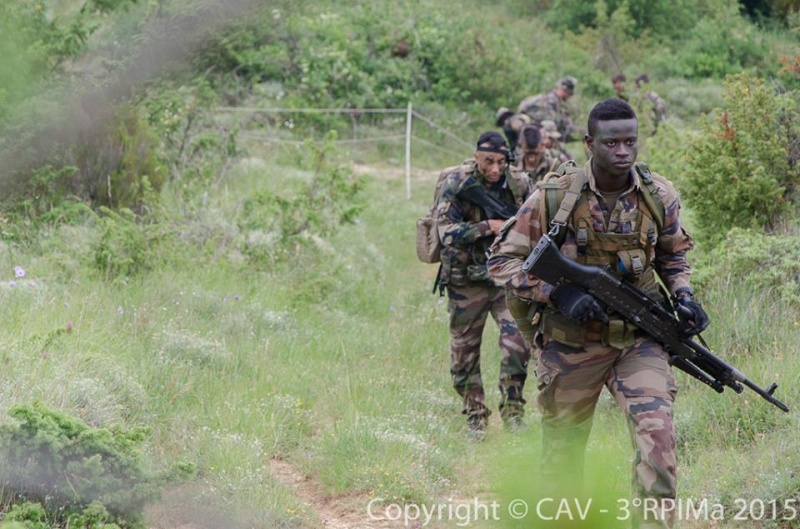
x=490 y=165
x=532 y=157
x=614 y=147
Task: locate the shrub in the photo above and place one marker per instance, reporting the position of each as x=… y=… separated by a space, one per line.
x=276 y=226
x=71 y=474
x=743 y=170
x=127 y=244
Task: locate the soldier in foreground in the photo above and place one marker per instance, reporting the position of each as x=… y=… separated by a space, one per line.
x=477 y=198
x=608 y=221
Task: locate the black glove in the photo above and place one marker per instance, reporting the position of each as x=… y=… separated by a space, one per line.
x=690 y=312
x=576 y=304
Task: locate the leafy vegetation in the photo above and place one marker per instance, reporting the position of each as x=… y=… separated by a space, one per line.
x=57 y=471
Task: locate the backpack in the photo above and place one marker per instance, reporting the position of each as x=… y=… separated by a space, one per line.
x=429 y=247
x=559 y=202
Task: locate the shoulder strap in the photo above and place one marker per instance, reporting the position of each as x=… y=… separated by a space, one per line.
x=559 y=201
x=650 y=194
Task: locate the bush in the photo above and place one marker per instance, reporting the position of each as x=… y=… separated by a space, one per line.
x=277 y=226
x=743 y=170
x=127 y=244
x=64 y=473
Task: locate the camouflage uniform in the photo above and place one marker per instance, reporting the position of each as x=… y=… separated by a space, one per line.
x=557 y=151
x=512 y=125
x=465 y=236
x=552 y=106
x=576 y=361
x=547 y=107
x=546 y=165
x=650 y=107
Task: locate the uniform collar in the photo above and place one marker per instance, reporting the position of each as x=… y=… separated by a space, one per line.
x=633 y=180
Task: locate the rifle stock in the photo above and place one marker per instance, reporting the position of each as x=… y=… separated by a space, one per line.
x=548 y=264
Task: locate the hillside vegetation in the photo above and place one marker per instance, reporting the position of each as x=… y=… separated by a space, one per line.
x=215 y=317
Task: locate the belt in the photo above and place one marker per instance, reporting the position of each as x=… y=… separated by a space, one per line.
x=594 y=330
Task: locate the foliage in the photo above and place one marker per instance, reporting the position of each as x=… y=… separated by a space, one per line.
x=127 y=244
x=718 y=46
x=116 y=168
x=277 y=226
x=30 y=515
x=192 y=144
x=667 y=17
x=363 y=56
x=34 y=42
x=754 y=259
x=72 y=474
x=120 y=169
x=743 y=170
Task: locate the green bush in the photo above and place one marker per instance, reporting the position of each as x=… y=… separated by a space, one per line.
x=34 y=43
x=65 y=474
x=127 y=244
x=276 y=226
x=743 y=170
x=120 y=169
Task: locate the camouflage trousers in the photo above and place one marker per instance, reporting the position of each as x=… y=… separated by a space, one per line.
x=469 y=308
x=641 y=381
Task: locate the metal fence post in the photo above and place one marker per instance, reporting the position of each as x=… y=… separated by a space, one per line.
x=409 y=115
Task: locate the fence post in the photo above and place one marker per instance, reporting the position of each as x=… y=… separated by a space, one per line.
x=409 y=115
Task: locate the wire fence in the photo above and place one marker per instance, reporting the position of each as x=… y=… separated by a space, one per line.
x=408 y=138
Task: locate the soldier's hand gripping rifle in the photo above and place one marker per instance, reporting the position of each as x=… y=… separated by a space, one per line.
x=659 y=321
x=473 y=191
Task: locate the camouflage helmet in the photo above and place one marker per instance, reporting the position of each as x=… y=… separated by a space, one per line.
x=567 y=83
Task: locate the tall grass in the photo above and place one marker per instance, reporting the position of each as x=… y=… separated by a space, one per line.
x=337 y=363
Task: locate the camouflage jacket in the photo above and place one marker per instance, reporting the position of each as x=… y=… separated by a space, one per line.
x=548 y=106
x=463 y=227
x=668 y=248
x=546 y=165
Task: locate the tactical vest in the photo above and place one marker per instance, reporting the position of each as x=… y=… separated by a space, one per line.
x=456 y=263
x=565 y=203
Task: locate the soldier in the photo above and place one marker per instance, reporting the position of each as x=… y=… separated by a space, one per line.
x=552 y=106
x=582 y=346
x=619 y=86
x=534 y=158
x=477 y=197
x=551 y=137
x=512 y=125
x=651 y=107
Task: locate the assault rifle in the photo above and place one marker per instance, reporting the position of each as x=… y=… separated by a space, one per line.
x=653 y=317
x=473 y=191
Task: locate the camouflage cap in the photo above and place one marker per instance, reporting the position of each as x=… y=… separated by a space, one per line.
x=550 y=128
x=567 y=83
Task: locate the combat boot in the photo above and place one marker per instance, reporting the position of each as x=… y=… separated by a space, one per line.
x=476 y=426
x=512 y=413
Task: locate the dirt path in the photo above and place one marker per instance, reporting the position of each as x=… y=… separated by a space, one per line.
x=342 y=512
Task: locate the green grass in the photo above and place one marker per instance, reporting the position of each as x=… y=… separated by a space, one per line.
x=337 y=363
